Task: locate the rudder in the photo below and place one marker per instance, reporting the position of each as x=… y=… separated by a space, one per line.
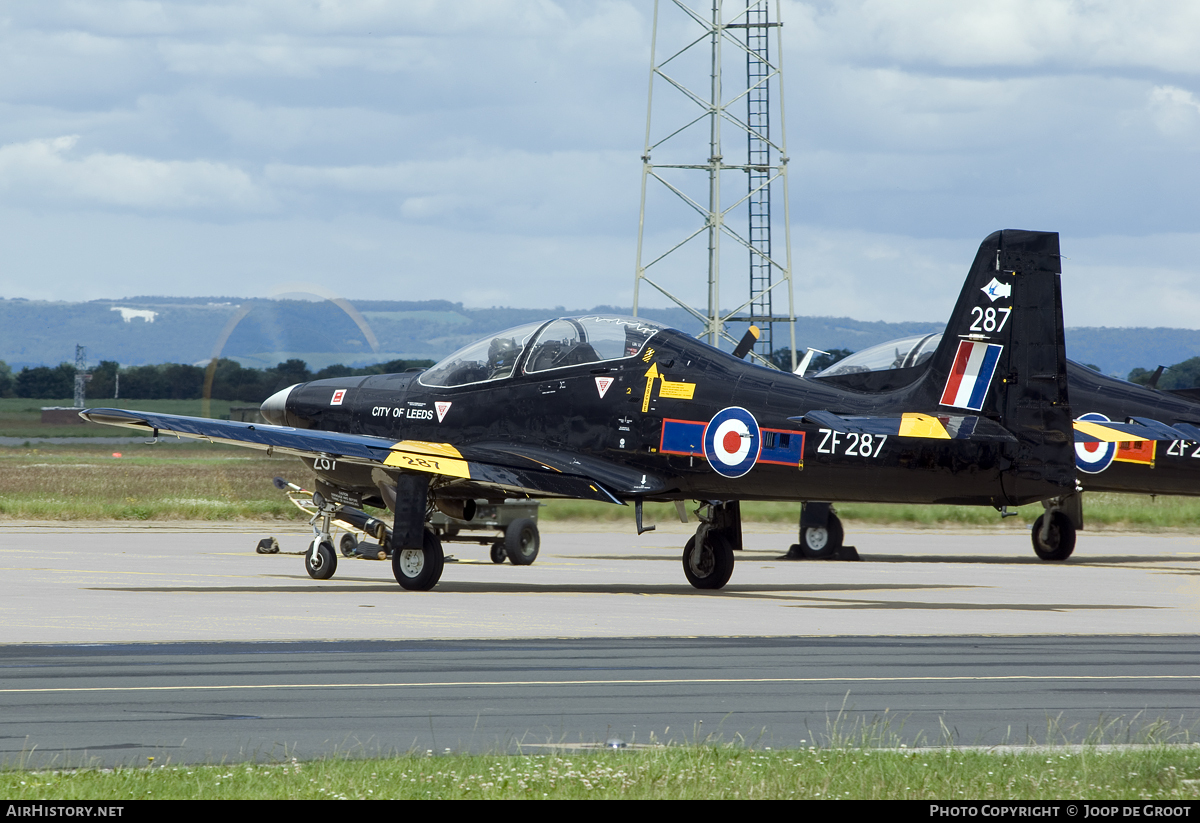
x=1003 y=356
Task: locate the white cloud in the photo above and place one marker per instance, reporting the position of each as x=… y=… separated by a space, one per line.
x=1175 y=111
x=528 y=192
x=1159 y=34
x=49 y=169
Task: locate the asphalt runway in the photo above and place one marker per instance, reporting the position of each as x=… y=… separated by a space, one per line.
x=188 y=646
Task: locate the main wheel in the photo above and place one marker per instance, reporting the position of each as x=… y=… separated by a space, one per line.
x=1061 y=539
x=497 y=552
x=320 y=561
x=348 y=545
x=822 y=542
x=711 y=565
x=419 y=570
x=521 y=541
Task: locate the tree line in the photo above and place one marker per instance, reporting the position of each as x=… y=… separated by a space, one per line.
x=233 y=381
x=179 y=381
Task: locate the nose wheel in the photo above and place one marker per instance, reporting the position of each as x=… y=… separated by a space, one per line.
x=320 y=561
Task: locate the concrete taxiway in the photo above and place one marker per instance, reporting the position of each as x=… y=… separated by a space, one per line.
x=122 y=643
x=171 y=584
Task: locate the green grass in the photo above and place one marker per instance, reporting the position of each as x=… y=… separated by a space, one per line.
x=191 y=481
x=1158 y=772
x=185 y=480
x=21 y=416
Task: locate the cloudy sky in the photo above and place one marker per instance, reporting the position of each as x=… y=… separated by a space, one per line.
x=488 y=151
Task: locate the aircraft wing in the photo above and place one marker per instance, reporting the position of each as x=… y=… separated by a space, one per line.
x=506 y=466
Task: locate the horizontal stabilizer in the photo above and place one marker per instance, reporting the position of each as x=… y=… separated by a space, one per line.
x=1190 y=429
x=1088 y=431
x=1162 y=430
x=913 y=424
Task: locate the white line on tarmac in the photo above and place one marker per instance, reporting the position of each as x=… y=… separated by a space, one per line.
x=662 y=682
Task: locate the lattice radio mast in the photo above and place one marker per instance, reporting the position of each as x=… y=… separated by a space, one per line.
x=747 y=219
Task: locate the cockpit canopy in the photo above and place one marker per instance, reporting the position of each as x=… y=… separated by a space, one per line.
x=543 y=347
x=905 y=353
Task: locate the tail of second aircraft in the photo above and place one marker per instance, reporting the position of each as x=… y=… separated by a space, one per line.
x=1003 y=357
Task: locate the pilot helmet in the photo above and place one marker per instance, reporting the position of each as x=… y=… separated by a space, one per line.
x=502 y=351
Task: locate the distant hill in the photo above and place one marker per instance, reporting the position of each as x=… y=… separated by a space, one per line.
x=262 y=332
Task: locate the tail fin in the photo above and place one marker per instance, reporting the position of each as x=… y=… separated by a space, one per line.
x=1003 y=356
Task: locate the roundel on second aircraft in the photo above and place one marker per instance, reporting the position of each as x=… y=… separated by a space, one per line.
x=732 y=441
x=1093 y=458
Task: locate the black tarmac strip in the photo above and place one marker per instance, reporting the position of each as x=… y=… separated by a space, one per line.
x=110 y=704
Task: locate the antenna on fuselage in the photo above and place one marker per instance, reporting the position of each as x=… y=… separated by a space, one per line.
x=808 y=356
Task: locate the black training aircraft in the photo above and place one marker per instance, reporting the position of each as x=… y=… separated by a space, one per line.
x=624 y=410
x=1147 y=466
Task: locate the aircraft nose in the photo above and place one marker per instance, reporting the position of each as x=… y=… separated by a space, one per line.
x=275 y=407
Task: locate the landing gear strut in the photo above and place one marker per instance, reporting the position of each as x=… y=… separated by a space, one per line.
x=417 y=557
x=320 y=561
x=708 y=557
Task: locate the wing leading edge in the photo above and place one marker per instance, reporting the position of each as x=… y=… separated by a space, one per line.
x=507 y=468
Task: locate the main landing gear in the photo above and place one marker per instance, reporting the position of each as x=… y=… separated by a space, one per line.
x=419 y=570
x=708 y=557
x=1054 y=531
x=821 y=532
x=821 y=535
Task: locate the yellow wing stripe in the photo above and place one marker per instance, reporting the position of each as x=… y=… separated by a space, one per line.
x=414 y=461
x=1105 y=434
x=922 y=425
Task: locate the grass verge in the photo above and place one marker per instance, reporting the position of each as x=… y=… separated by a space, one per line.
x=1157 y=772
x=198 y=481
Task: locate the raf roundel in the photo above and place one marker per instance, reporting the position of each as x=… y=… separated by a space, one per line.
x=732 y=441
x=1093 y=458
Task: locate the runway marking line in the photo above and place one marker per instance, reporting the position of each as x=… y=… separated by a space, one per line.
x=663 y=682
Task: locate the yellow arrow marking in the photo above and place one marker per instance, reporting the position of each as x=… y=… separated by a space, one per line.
x=651 y=374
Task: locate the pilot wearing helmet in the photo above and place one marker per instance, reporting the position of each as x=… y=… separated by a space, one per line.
x=502 y=356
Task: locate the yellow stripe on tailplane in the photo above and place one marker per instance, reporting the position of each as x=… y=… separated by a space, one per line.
x=1104 y=434
x=913 y=424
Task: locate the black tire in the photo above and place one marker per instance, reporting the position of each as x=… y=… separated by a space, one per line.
x=348 y=545
x=822 y=543
x=419 y=570
x=320 y=561
x=1061 y=541
x=498 y=554
x=712 y=567
x=522 y=541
